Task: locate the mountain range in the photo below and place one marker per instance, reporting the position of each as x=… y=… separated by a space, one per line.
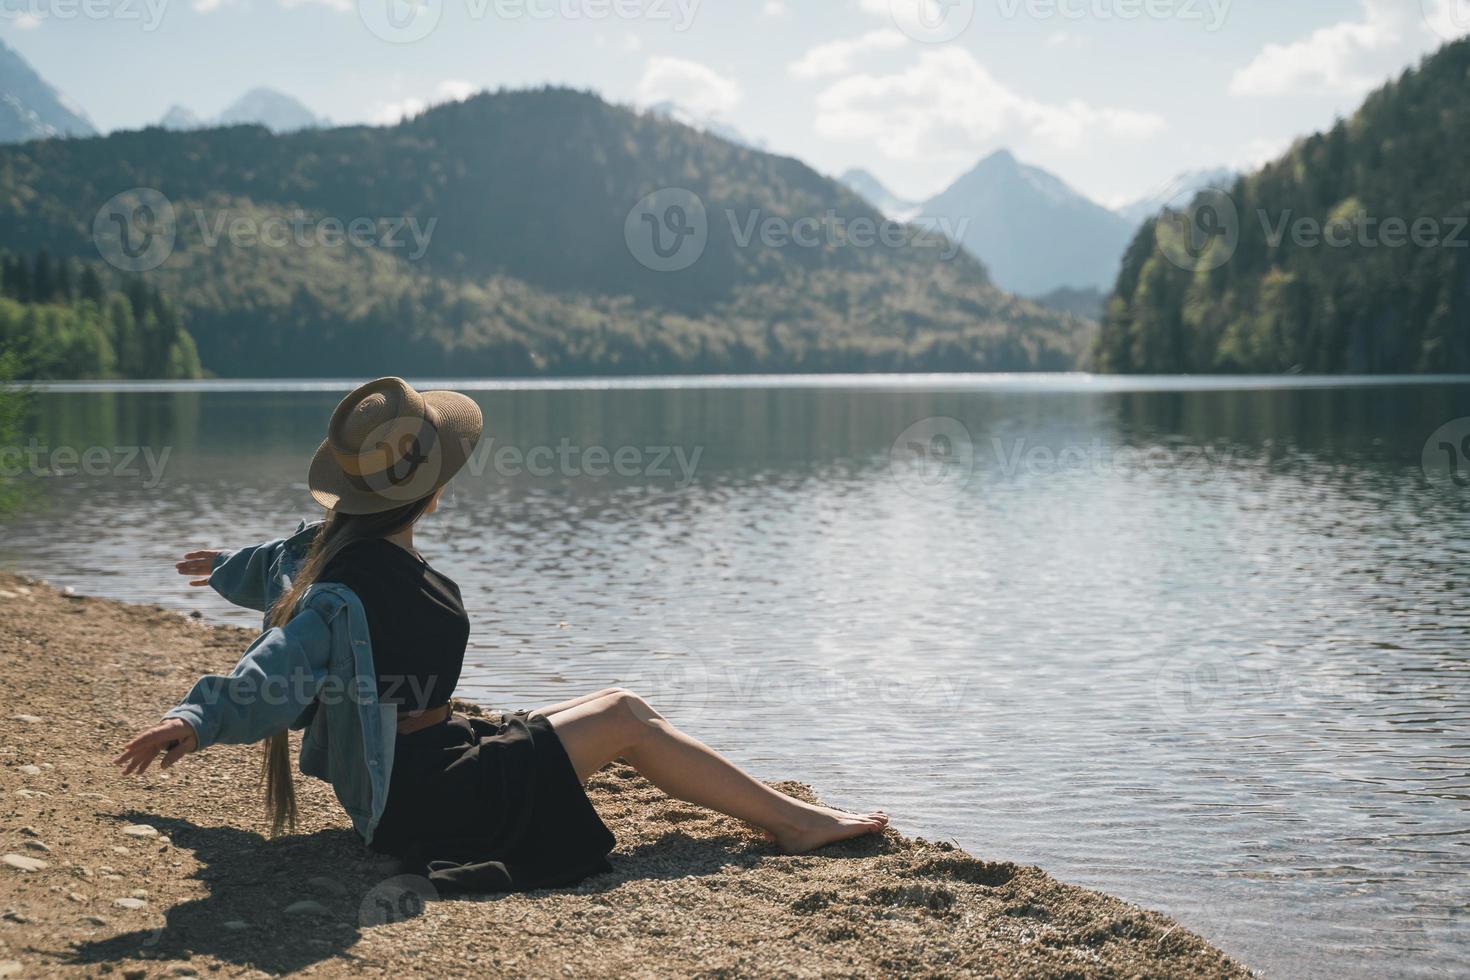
x=276 y=111
x=522 y=232
x=1037 y=236
x=30 y=108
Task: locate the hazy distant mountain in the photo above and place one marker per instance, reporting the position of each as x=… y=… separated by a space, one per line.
x=705 y=124
x=1087 y=303
x=180 y=118
x=30 y=108
x=871 y=189
x=1180 y=190
x=1033 y=232
x=276 y=111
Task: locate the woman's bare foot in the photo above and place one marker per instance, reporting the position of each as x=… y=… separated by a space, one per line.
x=819 y=825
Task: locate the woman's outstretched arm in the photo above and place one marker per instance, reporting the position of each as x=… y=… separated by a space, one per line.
x=276 y=680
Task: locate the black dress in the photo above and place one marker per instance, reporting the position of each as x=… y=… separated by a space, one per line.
x=474 y=805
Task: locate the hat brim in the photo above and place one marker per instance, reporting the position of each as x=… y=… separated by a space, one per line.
x=460 y=423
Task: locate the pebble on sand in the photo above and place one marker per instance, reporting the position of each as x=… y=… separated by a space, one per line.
x=235 y=925
x=29 y=770
x=140 y=830
x=129 y=903
x=22 y=863
x=326 y=884
x=307 y=907
x=26 y=719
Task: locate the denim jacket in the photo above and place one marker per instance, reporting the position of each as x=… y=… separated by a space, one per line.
x=316 y=673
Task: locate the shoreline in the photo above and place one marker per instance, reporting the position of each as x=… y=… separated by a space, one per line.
x=168 y=874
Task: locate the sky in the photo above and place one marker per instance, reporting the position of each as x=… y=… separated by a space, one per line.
x=1114 y=96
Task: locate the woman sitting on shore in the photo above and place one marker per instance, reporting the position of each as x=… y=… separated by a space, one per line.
x=363 y=648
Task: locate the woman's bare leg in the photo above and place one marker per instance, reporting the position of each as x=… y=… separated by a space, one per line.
x=619 y=724
x=560 y=706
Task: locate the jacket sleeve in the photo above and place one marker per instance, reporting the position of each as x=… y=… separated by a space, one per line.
x=275 y=681
x=243 y=576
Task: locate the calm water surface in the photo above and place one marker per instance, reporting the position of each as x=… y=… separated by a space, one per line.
x=1203 y=645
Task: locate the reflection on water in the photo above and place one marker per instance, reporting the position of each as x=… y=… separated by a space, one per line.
x=1203 y=646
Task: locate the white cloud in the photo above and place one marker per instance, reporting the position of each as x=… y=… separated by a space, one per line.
x=455 y=90
x=692 y=85
x=449 y=90
x=836 y=57
x=341 y=6
x=1066 y=40
x=947 y=104
x=27 y=21
x=774 y=8
x=1450 y=19
x=1347 y=58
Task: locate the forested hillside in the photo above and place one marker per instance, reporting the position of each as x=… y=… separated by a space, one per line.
x=61 y=320
x=520 y=201
x=1353 y=252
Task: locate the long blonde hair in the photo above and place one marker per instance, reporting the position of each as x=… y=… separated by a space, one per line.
x=335 y=533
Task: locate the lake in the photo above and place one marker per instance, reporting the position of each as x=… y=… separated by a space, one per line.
x=1203 y=644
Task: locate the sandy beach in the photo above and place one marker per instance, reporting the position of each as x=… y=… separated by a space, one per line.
x=169 y=875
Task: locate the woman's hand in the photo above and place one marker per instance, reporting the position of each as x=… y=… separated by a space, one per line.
x=197 y=563
x=173 y=736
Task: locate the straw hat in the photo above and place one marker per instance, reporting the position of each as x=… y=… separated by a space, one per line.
x=388 y=445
